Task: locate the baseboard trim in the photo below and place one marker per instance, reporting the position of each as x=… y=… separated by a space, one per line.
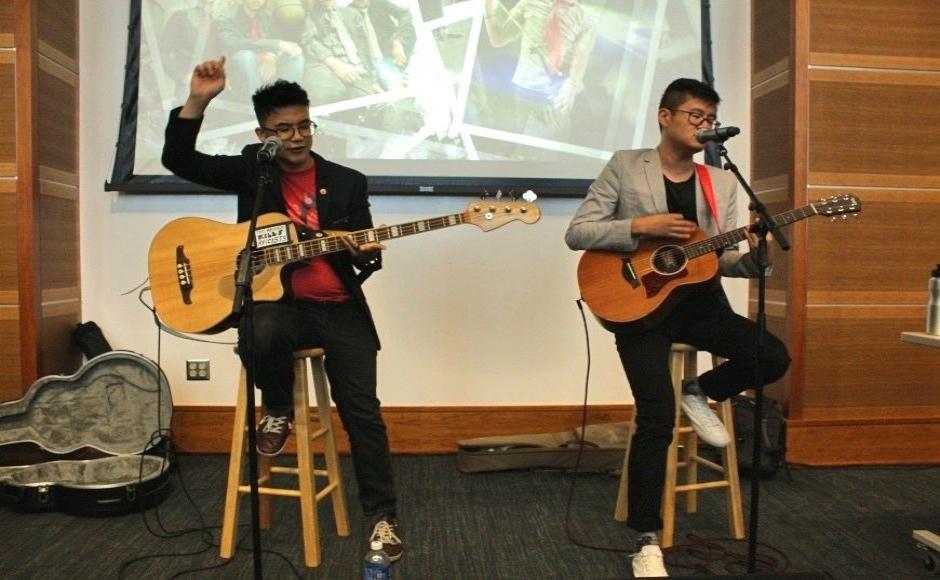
x=411 y=430
x=888 y=441
x=434 y=430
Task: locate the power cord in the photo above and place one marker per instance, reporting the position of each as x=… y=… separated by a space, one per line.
x=577 y=462
x=164 y=437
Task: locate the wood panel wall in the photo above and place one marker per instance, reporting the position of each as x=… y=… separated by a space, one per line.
x=40 y=300
x=845 y=102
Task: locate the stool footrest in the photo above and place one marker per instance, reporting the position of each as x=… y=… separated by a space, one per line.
x=284 y=492
x=283 y=469
x=319 y=433
x=280 y=491
x=703 y=485
x=709 y=464
x=326 y=491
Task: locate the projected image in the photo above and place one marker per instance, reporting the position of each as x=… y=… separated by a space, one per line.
x=428 y=87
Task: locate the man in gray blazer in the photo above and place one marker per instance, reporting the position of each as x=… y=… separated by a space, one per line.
x=658 y=193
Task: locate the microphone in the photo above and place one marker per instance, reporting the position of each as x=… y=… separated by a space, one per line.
x=269 y=149
x=720 y=134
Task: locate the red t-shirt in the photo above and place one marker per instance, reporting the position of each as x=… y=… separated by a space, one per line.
x=315 y=279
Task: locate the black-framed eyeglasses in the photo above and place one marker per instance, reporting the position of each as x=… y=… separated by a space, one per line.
x=285 y=132
x=698 y=117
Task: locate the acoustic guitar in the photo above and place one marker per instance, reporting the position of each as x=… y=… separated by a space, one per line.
x=632 y=291
x=192 y=261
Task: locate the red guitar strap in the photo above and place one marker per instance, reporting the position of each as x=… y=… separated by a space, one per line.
x=706 y=180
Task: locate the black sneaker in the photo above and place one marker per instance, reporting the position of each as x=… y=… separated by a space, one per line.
x=386 y=531
x=272 y=432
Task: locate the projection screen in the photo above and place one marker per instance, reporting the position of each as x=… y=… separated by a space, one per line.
x=423 y=96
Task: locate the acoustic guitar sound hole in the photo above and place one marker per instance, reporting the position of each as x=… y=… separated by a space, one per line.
x=669 y=260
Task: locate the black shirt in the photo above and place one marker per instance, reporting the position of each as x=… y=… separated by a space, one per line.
x=680 y=197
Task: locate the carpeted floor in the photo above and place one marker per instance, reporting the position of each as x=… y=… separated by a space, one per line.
x=838 y=523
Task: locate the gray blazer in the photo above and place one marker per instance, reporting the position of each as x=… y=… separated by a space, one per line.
x=631 y=185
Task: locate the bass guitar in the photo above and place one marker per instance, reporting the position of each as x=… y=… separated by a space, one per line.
x=630 y=291
x=192 y=261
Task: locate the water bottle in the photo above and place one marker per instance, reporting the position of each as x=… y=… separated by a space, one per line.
x=376 y=566
x=933 y=305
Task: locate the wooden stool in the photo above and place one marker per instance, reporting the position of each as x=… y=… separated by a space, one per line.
x=305 y=430
x=682 y=365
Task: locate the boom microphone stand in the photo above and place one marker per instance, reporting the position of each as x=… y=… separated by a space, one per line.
x=243 y=304
x=764 y=226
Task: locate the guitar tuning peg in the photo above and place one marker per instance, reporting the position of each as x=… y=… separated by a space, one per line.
x=484 y=194
x=499 y=194
x=529 y=196
x=512 y=195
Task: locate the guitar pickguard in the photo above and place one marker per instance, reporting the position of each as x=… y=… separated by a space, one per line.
x=654 y=281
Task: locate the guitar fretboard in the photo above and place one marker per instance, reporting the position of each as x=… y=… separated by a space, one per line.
x=330 y=244
x=732 y=238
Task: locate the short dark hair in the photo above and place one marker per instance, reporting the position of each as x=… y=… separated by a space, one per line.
x=278 y=94
x=681 y=90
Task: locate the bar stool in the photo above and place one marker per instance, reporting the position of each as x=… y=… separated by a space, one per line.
x=306 y=362
x=682 y=365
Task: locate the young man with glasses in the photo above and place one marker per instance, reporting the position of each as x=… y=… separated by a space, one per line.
x=324 y=305
x=656 y=193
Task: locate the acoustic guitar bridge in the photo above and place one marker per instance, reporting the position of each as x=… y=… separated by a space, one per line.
x=184 y=275
x=628 y=273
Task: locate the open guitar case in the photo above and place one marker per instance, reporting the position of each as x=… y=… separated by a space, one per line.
x=604 y=447
x=85 y=443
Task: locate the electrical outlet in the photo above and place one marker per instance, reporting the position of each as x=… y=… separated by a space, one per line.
x=197 y=370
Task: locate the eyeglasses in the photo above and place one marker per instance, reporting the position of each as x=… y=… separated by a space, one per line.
x=285 y=132
x=698 y=117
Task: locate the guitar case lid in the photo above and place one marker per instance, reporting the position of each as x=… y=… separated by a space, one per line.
x=114 y=403
x=88 y=437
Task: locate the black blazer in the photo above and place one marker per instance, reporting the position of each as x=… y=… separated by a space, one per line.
x=342 y=193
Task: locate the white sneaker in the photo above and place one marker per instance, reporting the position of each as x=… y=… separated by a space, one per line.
x=706 y=424
x=648 y=563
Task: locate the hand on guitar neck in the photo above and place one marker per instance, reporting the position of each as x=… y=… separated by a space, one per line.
x=362 y=253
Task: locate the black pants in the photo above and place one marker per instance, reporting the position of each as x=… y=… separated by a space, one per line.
x=343 y=330
x=706 y=322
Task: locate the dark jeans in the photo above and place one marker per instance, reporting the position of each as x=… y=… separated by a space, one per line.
x=707 y=323
x=344 y=332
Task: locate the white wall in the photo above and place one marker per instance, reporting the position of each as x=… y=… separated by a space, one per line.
x=466 y=317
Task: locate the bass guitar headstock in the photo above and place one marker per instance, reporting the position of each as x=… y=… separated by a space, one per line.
x=491 y=213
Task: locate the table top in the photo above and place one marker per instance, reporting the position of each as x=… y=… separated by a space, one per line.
x=921 y=338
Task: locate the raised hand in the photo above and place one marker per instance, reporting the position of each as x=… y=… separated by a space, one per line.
x=207 y=81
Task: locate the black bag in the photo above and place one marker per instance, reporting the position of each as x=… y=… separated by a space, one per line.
x=771 y=438
x=90 y=339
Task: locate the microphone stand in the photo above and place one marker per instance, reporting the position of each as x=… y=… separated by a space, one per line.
x=243 y=304
x=764 y=225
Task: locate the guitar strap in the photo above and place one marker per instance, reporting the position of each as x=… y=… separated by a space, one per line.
x=706 y=180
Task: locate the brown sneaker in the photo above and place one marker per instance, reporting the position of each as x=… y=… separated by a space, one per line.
x=272 y=433
x=386 y=531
